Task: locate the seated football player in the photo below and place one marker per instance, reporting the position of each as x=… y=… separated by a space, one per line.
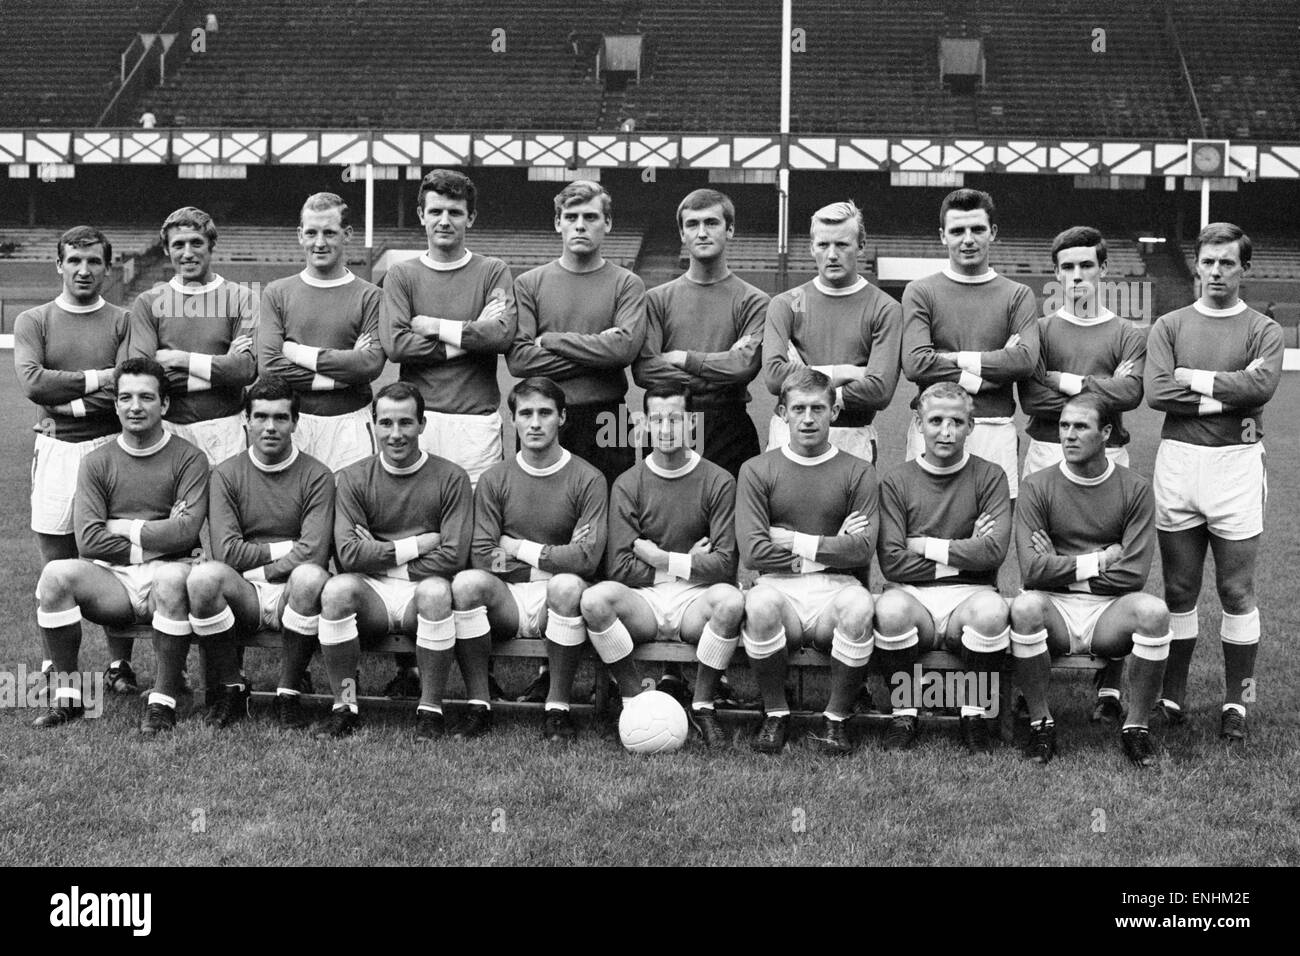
x=945 y=526
x=1085 y=536
x=539 y=535
x=140 y=502
x=402 y=524
x=806 y=521
x=670 y=559
x=271 y=514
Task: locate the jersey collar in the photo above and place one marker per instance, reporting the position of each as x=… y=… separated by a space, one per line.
x=825 y=456
x=1088 y=482
x=144 y=452
x=692 y=459
x=825 y=289
x=565 y=456
x=969 y=280
x=1104 y=316
x=315 y=283
x=446 y=266
x=272 y=469
x=176 y=283
x=1237 y=309
x=934 y=469
x=409 y=469
x=67 y=305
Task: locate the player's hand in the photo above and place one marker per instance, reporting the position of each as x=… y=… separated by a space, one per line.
x=984 y=525
x=241 y=343
x=1013 y=341
x=701 y=548
x=1255 y=364
x=107 y=377
x=854 y=523
x=740 y=343
x=949 y=358
x=1041 y=542
x=509 y=545
x=781 y=537
x=174 y=358
x=579 y=533
x=916 y=545
x=1109 y=556
x=424 y=543
x=179 y=510
x=63 y=408
x=1124 y=369
x=494 y=311
x=118 y=526
x=1183 y=376
x=676 y=358
x=650 y=553
x=1053 y=381
x=363 y=532
x=363 y=342
x=793 y=355
x=425 y=325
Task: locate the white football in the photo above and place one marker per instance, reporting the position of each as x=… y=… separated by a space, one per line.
x=652 y=723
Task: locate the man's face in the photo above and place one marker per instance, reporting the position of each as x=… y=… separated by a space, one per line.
x=445 y=221
x=190 y=253
x=84 y=270
x=398 y=429
x=537 y=422
x=270 y=426
x=140 y=408
x=836 y=249
x=1081 y=438
x=808 y=414
x=705 y=233
x=324 y=238
x=1220 y=270
x=968 y=235
x=582 y=226
x=945 y=425
x=1079 y=272
x=667 y=420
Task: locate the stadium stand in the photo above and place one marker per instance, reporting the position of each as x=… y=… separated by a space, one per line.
x=36 y=243
x=1273 y=257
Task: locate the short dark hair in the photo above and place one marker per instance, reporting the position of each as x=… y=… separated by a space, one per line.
x=142 y=365
x=324 y=202
x=1100 y=407
x=81 y=236
x=272 y=388
x=666 y=390
x=806 y=380
x=400 y=392
x=536 y=385
x=584 y=190
x=966 y=200
x=190 y=217
x=449 y=183
x=1080 y=236
x=1217 y=233
x=703 y=199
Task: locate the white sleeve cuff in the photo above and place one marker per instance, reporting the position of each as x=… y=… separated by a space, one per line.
x=279 y=549
x=450 y=331
x=78 y=408
x=945 y=571
x=307 y=356
x=530 y=552
x=970 y=382
x=1210 y=406
x=406 y=549
x=92 y=380
x=399 y=573
x=805 y=545
x=1071 y=384
x=453 y=351
x=322 y=383
x=852 y=373
x=137 y=554
x=1087 y=566
x=195 y=384
x=134 y=534
x=970 y=362
x=839 y=396
x=679 y=565
x=936 y=549
x=827 y=370
x=810 y=567
x=1202 y=382
x=255 y=574
x=200 y=366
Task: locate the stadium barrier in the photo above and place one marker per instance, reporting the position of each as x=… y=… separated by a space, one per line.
x=660 y=652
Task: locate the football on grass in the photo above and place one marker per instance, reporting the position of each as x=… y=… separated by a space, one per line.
x=652 y=723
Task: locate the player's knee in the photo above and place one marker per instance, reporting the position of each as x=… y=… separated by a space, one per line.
x=203 y=585
x=1237 y=597
x=990 y=614
x=892 y=616
x=728 y=608
x=853 y=615
x=339 y=598
x=1151 y=616
x=58 y=582
x=1028 y=612
x=469 y=589
x=564 y=593
x=763 y=609
x=597 y=603
x=306 y=582
x=433 y=598
x=169 y=586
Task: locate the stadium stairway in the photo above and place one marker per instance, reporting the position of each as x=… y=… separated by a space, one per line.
x=1173 y=284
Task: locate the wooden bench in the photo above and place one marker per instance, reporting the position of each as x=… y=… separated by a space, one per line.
x=659 y=652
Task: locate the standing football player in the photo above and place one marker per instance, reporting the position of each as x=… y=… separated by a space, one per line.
x=1211 y=368
x=539 y=535
x=840 y=325
x=140 y=502
x=969 y=325
x=1084 y=541
x=65 y=352
x=581 y=323
x=945 y=526
x=671 y=561
x=806 y=520
x=703 y=332
x=319 y=331
x=271 y=513
x=402 y=524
